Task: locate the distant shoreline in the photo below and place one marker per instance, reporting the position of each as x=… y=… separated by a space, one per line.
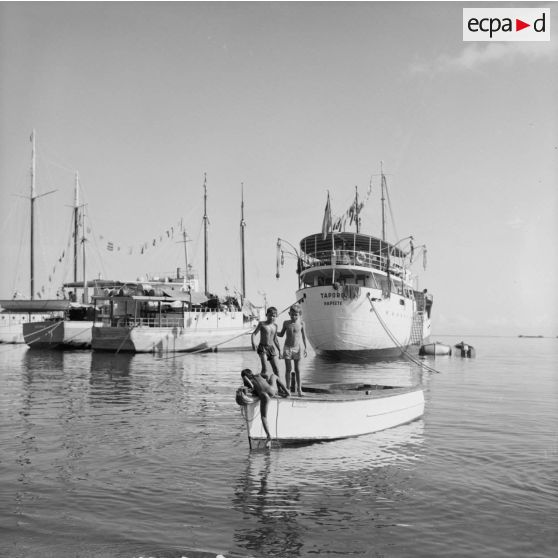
x=494 y=336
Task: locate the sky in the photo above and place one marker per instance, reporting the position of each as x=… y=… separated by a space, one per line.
x=291 y=100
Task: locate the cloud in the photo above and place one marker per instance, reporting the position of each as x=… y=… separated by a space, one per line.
x=476 y=55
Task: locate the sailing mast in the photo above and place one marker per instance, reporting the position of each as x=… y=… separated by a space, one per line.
x=33 y=196
x=242 y=247
x=383 y=183
x=205 y=223
x=83 y=241
x=185 y=240
x=76 y=225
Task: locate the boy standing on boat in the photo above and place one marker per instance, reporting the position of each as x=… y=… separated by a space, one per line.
x=292 y=350
x=269 y=344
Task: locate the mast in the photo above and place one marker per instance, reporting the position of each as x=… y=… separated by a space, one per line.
x=33 y=196
x=185 y=240
x=357 y=211
x=205 y=223
x=242 y=246
x=83 y=240
x=76 y=225
x=383 y=180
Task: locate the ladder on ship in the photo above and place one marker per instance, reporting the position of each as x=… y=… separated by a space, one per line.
x=417 y=328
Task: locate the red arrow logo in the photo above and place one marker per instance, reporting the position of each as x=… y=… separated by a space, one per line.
x=519 y=25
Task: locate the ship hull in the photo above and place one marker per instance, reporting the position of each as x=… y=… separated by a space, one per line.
x=63 y=334
x=142 y=339
x=367 y=325
x=12 y=324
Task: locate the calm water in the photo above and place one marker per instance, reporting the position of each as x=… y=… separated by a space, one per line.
x=130 y=456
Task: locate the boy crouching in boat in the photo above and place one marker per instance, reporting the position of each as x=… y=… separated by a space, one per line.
x=266 y=387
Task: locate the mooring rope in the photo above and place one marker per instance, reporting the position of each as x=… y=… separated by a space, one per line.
x=403 y=350
x=211 y=348
x=124 y=340
x=44 y=329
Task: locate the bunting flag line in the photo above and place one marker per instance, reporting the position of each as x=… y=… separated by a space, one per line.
x=168 y=234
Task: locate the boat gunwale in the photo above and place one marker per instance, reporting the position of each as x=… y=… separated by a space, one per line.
x=344 y=395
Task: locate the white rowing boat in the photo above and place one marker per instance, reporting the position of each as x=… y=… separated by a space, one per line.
x=331 y=412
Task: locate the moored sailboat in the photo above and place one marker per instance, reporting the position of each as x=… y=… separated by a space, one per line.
x=18 y=311
x=174 y=315
x=72 y=329
x=357 y=292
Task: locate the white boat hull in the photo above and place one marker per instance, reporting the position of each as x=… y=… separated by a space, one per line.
x=144 y=339
x=334 y=324
x=335 y=415
x=62 y=334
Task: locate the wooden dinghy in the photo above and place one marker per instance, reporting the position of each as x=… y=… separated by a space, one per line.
x=435 y=349
x=331 y=412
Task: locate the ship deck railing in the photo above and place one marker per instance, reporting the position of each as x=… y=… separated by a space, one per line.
x=353 y=258
x=167 y=319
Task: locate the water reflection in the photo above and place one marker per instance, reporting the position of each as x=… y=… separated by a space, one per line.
x=282 y=492
x=112 y=364
x=396 y=372
x=40 y=362
x=270 y=509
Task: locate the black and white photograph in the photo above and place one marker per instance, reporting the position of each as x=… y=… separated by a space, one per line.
x=279 y=279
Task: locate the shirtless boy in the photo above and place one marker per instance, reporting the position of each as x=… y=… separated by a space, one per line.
x=266 y=387
x=292 y=350
x=269 y=344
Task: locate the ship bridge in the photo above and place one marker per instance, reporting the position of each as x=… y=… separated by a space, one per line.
x=353 y=258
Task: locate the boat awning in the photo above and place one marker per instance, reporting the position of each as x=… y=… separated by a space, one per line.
x=176 y=294
x=99 y=283
x=314 y=244
x=51 y=305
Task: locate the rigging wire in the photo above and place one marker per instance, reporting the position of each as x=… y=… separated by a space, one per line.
x=391 y=211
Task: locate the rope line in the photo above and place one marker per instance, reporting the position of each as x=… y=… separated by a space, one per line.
x=209 y=348
x=50 y=327
x=404 y=351
x=213 y=347
x=124 y=340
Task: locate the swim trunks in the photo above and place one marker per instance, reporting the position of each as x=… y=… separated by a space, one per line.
x=291 y=353
x=268 y=350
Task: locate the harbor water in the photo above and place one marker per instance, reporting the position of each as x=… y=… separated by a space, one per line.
x=128 y=456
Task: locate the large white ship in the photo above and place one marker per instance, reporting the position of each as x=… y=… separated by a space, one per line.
x=357 y=291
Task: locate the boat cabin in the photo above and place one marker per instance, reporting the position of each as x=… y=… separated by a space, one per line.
x=353 y=259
